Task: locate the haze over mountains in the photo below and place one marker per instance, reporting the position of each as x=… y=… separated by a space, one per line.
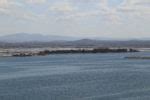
x=27 y=37
x=26 y=40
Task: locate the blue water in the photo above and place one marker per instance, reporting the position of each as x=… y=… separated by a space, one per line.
x=75 y=77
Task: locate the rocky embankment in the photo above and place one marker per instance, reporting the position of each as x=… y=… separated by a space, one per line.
x=25 y=53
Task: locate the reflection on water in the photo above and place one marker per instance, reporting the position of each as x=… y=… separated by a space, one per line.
x=75 y=77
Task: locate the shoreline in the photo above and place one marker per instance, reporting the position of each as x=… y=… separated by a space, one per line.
x=47 y=51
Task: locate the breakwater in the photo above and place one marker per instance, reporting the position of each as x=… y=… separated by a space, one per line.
x=73 y=51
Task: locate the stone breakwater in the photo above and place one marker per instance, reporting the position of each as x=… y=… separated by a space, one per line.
x=43 y=52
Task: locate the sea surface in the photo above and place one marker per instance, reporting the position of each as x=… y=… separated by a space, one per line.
x=75 y=77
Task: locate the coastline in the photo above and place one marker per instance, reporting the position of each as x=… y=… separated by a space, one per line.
x=23 y=52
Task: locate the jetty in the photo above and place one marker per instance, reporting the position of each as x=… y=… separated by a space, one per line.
x=75 y=51
x=47 y=51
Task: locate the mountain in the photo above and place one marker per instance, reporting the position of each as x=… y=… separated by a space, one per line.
x=27 y=37
x=79 y=44
x=27 y=40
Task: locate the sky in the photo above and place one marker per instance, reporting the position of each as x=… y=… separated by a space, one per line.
x=80 y=18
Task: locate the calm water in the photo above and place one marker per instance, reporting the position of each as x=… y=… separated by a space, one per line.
x=75 y=77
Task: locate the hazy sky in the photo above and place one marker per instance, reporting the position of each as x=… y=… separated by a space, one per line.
x=95 y=18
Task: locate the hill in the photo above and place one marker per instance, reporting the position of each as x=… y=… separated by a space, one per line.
x=79 y=44
x=27 y=37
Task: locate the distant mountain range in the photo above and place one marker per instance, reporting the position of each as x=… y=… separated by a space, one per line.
x=26 y=40
x=26 y=37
